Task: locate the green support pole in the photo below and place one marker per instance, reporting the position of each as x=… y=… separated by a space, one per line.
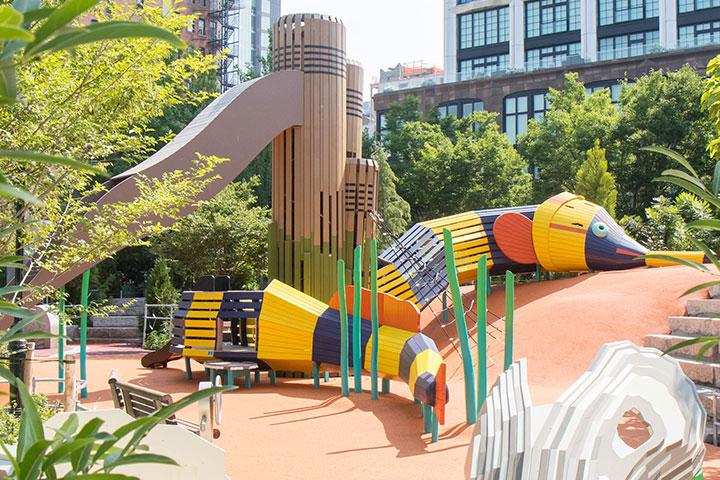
x=434 y=426
x=343 y=328
x=375 y=326
x=489 y=286
x=509 y=312
x=480 y=290
x=445 y=315
x=83 y=328
x=316 y=376
x=538 y=272
x=385 y=385
x=427 y=421
x=61 y=340
x=357 y=312
x=470 y=405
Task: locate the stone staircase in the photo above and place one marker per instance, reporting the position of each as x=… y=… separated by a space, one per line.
x=702 y=320
x=119 y=327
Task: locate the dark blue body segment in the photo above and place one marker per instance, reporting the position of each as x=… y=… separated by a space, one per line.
x=613 y=251
x=413 y=346
x=326 y=338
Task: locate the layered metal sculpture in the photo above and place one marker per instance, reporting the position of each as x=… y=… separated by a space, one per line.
x=565 y=233
x=577 y=436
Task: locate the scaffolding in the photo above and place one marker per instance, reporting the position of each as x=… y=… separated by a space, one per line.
x=225 y=15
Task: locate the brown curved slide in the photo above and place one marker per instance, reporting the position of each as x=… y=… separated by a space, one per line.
x=236 y=125
x=159 y=358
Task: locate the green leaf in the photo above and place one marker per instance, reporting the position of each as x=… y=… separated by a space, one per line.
x=61 y=16
x=686 y=343
x=708 y=345
x=10 y=16
x=679 y=261
x=704 y=195
x=49 y=160
x=33 y=334
x=705 y=224
x=16 y=312
x=141 y=458
x=64 y=450
x=8 y=80
x=31 y=430
x=17 y=226
x=7 y=190
x=13 y=289
x=11 y=457
x=32 y=460
x=680 y=174
x=11 y=32
x=702 y=286
x=716 y=179
x=114 y=30
x=37 y=14
x=26 y=6
x=28 y=318
x=674 y=155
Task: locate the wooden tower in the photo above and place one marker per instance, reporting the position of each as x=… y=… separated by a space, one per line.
x=323 y=192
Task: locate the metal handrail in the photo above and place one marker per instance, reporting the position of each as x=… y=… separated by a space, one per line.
x=174 y=307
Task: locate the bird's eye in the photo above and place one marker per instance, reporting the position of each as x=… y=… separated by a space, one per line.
x=600 y=229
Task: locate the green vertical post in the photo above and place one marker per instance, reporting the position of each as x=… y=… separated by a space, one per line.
x=84 y=293
x=538 y=272
x=444 y=315
x=470 y=405
x=357 y=320
x=343 y=328
x=61 y=340
x=316 y=375
x=489 y=285
x=375 y=321
x=427 y=421
x=481 y=292
x=385 y=385
x=509 y=313
x=434 y=426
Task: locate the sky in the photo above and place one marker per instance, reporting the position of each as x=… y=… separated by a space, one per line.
x=383 y=33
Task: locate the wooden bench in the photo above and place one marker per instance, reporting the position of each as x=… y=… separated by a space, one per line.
x=140 y=401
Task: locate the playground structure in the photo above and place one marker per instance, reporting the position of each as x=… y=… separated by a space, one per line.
x=577 y=437
x=324 y=199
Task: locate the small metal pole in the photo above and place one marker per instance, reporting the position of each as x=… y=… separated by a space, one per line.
x=509 y=314
x=83 y=328
x=61 y=340
x=144 y=325
x=70 y=386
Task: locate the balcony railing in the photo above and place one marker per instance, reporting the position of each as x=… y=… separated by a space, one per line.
x=549 y=62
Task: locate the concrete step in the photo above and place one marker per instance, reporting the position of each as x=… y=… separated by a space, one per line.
x=705 y=393
x=662 y=342
x=115 y=321
x=136 y=306
x=701 y=372
x=703 y=307
x=695 y=326
x=714 y=291
x=105 y=334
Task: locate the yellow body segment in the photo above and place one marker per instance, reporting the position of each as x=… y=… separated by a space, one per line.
x=426 y=361
x=288 y=320
x=208 y=296
x=390 y=344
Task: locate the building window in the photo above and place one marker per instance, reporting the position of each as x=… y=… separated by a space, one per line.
x=618 y=11
x=482 y=28
x=201 y=27
x=550 y=56
x=520 y=109
x=628 y=45
x=613 y=85
x=139 y=4
x=479 y=67
x=462 y=2
x=203 y=3
x=460 y=108
x=699 y=34
x=545 y=17
x=213 y=30
x=191 y=26
x=685 y=6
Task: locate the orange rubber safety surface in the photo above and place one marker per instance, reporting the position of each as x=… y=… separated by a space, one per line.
x=290 y=430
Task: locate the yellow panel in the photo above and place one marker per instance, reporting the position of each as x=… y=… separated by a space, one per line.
x=541 y=227
x=199 y=333
x=205 y=305
x=390 y=344
x=201 y=314
x=426 y=361
x=200 y=323
x=197 y=353
x=289 y=365
x=208 y=296
x=191 y=342
x=388 y=272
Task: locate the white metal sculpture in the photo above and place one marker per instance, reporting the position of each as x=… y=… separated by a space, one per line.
x=577 y=438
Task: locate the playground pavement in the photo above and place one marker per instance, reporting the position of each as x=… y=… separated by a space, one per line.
x=291 y=430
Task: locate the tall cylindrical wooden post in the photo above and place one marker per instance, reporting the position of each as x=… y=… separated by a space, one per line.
x=322 y=189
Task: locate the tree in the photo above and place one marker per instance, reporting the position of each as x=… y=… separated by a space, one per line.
x=394 y=211
x=159 y=289
x=571 y=126
x=94 y=104
x=225 y=236
x=661 y=109
x=594 y=182
x=479 y=169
